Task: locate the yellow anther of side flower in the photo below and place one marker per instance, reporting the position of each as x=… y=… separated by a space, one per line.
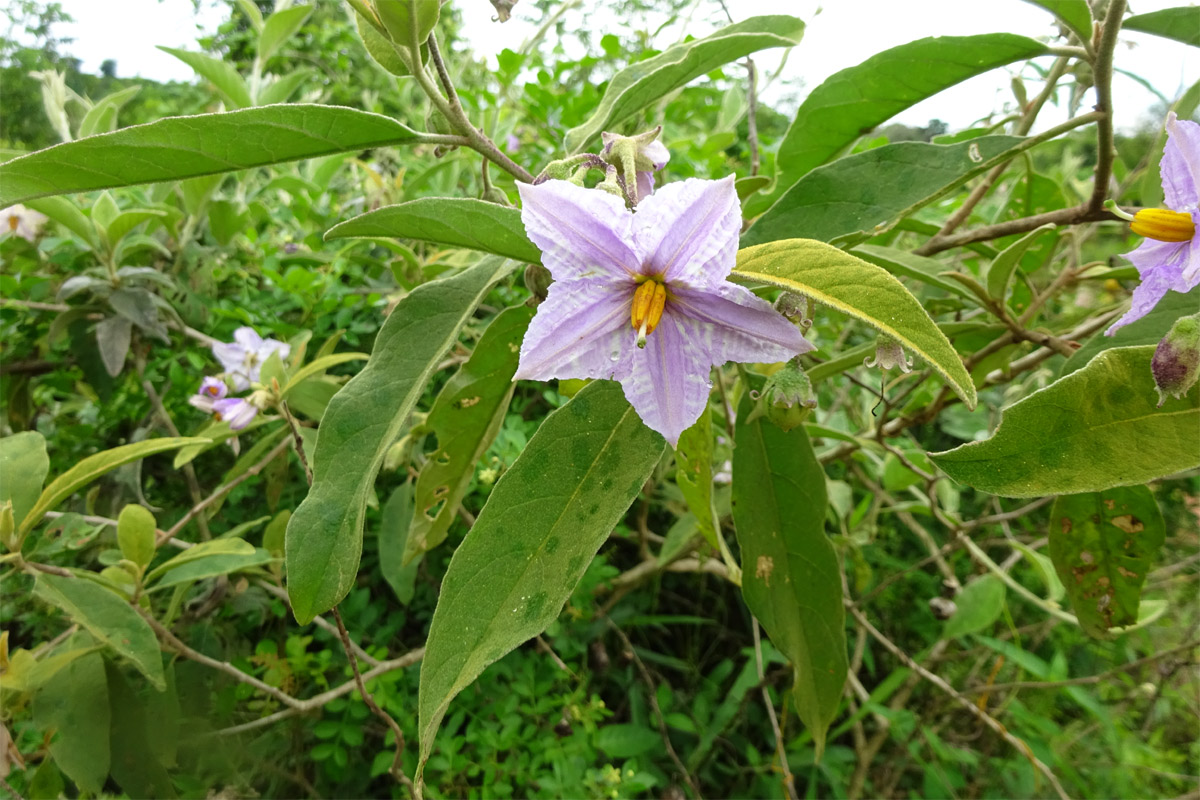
x=649 y=300
x=1163 y=224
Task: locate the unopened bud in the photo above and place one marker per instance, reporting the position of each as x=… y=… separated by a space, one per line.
x=538 y=280
x=436 y=122
x=788 y=397
x=1176 y=362
x=497 y=196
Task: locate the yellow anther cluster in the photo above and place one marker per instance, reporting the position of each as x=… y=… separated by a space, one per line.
x=1163 y=224
x=649 y=300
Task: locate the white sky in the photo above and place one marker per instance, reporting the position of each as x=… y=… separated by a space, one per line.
x=839 y=34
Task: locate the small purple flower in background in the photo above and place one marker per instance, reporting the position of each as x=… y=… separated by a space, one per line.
x=23 y=222
x=648 y=156
x=643 y=298
x=237 y=411
x=243 y=358
x=512 y=144
x=211 y=390
x=1169 y=258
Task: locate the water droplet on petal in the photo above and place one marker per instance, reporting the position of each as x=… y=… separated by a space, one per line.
x=615 y=355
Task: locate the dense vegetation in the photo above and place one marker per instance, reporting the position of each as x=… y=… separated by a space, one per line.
x=793 y=599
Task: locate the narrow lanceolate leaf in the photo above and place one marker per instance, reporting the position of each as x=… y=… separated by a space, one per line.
x=455 y=221
x=278 y=28
x=533 y=540
x=324 y=536
x=639 y=85
x=465 y=418
x=1000 y=273
x=24 y=464
x=852 y=286
x=185 y=147
x=867 y=192
x=791 y=579
x=1092 y=430
x=1075 y=14
x=107 y=617
x=852 y=102
x=1174 y=23
x=93 y=467
x=1150 y=329
x=220 y=73
x=1103 y=544
x=694 y=475
x=74 y=703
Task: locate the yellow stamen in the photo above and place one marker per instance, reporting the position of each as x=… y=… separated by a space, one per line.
x=649 y=300
x=14 y=222
x=1163 y=224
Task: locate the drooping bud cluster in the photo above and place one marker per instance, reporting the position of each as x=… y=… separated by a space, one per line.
x=629 y=164
x=1176 y=362
x=788 y=397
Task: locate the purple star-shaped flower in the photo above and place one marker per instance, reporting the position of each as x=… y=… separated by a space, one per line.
x=641 y=298
x=1169 y=258
x=243 y=358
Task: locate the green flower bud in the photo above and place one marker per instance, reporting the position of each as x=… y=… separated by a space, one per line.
x=1176 y=362
x=538 y=280
x=788 y=397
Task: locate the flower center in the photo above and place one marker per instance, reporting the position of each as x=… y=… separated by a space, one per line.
x=649 y=300
x=14 y=222
x=1163 y=224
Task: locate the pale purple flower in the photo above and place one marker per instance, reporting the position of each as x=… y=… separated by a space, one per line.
x=889 y=355
x=682 y=240
x=244 y=356
x=211 y=390
x=23 y=222
x=1169 y=258
x=237 y=411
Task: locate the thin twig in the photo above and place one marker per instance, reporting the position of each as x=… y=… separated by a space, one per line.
x=319 y=621
x=222 y=490
x=789 y=780
x=189 y=472
x=1087 y=679
x=652 y=695
x=297 y=439
x=397 y=768
x=961 y=701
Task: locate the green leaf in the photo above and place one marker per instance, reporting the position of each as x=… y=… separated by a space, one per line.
x=791 y=579
x=867 y=192
x=324 y=536
x=135 y=767
x=394 y=526
x=74 y=703
x=1045 y=568
x=382 y=51
x=626 y=740
x=1092 y=430
x=319 y=365
x=852 y=102
x=126 y=221
x=978 y=607
x=209 y=549
x=67 y=214
x=93 y=467
x=107 y=617
x=136 y=534
x=278 y=28
x=679 y=535
x=455 y=221
x=24 y=465
x=920 y=268
x=1103 y=544
x=187 y=147
x=465 y=417
x=1179 y=24
x=220 y=73
x=212 y=565
x=542 y=525
x=1075 y=14
x=640 y=85
x=283 y=87
x=408 y=21
x=865 y=291
x=1000 y=273
x=1148 y=330
x=694 y=475
x=102 y=117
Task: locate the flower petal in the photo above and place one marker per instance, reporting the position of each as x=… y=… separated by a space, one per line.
x=581 y=232
x=1163 y=266
x=688 y=231
x=738 y=325
x=1181 y=165
x=668 y=382
x=248 y=338
x=581 y=330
